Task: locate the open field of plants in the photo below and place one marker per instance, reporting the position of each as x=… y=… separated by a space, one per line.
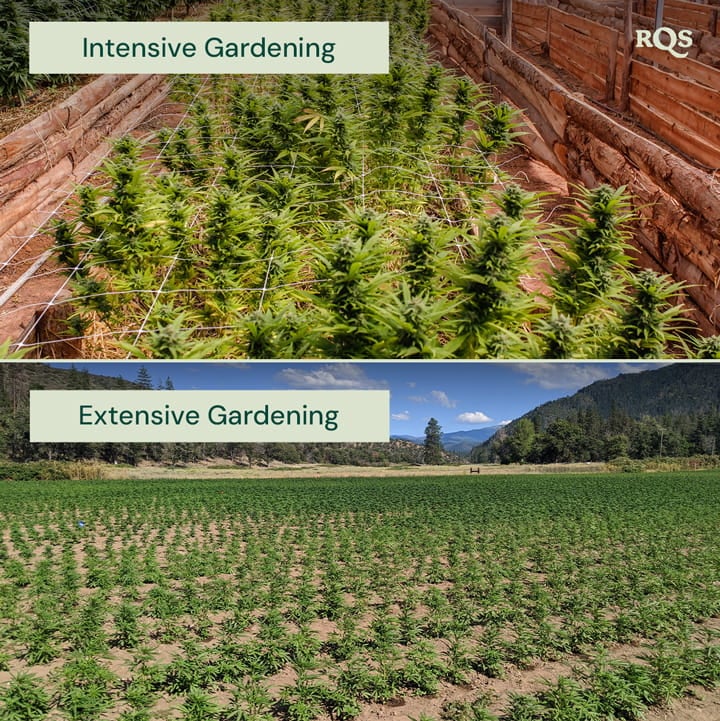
x=525 y=598
x=349 y=217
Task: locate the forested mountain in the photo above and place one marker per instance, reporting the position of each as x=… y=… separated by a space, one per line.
x=17 y=379
x=672 y=411
x=680 y=388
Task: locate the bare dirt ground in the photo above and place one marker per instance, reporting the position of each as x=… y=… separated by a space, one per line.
x=277 y=470
x=701 y=706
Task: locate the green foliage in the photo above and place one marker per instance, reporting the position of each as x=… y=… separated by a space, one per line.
x=85 y=688
x=432 y=447
x=35 y=471
x=15 y=80
x=436 y=578
x=24 y=698
x=324 y=216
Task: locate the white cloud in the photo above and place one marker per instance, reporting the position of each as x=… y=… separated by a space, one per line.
x=504 y=423
x=570 y=376
x=404 y=416
x=418 y=399
x=442 y=398
x=342 y=376
x=631 y=367
x=473 y=418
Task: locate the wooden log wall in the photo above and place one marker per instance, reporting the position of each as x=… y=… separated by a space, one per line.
x=684 y=14
x=677 y=204
x=41 y=161
x=488 y=12
x=676 y=99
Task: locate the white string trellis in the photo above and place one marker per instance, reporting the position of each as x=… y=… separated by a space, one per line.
x=410 y=170
x=53 y=301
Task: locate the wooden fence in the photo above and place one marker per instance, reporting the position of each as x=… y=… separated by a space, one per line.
x=488 y=12
x=677 y=203
x=676 y=99
x=684 y=14
x=41 y=161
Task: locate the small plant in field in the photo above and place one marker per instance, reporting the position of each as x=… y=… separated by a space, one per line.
x=139 y=694
x=467 y=710
x=567 y=701
x=85 y=688
x=423 y=669
x=488 y=657
x=251 y=701
x=135 y=715
x=340 y=705
x=194 y=670
x=127 y=630
x=199 y=706
x=304 y=700
x=362 y=683
x=24 y=698
x=672 y=671
x=524 y=708
x=623 y=690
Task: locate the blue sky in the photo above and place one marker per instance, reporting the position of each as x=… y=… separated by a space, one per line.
x=461 y=395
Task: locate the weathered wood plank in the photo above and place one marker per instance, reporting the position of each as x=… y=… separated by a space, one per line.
x=696 y=96
x=675 y=133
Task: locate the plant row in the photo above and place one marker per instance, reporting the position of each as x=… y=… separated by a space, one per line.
x=300 y=599
x=351 y=217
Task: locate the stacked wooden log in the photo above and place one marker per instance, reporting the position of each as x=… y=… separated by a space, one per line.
x=703 y=19
x=41 y=161
x=678 y=204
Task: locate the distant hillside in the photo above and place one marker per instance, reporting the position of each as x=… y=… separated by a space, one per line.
x=673 y=410
x=17 y=379
x=678 y=389
x=458 y=442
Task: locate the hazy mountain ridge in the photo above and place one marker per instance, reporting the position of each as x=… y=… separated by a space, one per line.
x=458 y=442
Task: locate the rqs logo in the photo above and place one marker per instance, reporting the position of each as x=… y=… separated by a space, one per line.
x=665 y=39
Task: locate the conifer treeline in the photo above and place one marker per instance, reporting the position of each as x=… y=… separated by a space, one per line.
x=16 y=380
x=585 y=435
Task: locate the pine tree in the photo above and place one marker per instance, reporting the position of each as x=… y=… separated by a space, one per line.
x=432 y=455
x=144 y=379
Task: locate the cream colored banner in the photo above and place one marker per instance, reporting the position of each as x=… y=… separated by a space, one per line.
x=207 y=416
x=209 y=47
